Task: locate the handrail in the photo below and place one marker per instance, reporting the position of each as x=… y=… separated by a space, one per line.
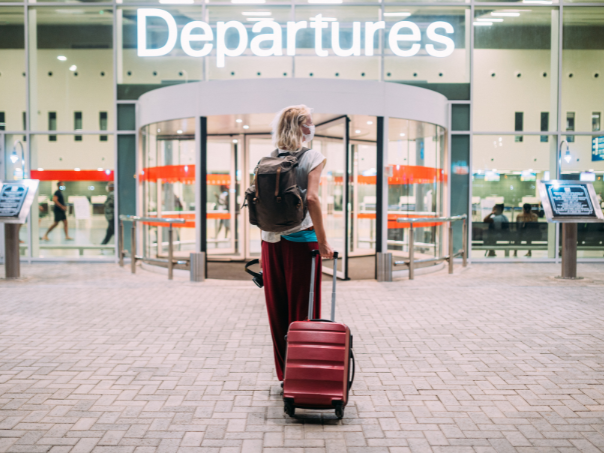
x=411 y=262
x=133 y=256
x=432 y=219
x=134 y=218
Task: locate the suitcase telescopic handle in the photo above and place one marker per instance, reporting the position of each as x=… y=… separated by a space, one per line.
x=311 y=295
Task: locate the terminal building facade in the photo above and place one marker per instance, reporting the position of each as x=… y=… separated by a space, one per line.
x=423 y=109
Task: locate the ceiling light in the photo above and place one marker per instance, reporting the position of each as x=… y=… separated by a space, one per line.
x=242 y=2
x=538 y=2
x=257 y=19
x=326 y=1
x=76 y=169
x=40 y=169
x=483 y=23
x=73 y=68
x=357 y=131
x=370 y=122
x=397 y=14
x=179 y=131
x=235 y=141
x=325 y=19
x=100 y=169
x=489 y=19
x=402 y=134
x=245 y=126
x=505 y=14
x=176 y=1
x=238 y=120
x=257 y=13
x=158 y=130
x=62 y=58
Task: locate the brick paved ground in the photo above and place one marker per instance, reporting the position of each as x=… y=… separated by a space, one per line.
x=499 y=358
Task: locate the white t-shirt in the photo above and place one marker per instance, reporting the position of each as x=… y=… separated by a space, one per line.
x=307 y=163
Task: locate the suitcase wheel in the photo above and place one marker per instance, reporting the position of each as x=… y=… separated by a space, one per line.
x=289 y=408
x=339 y=410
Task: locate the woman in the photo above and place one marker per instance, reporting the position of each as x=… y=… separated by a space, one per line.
x=526 y=232
x=286 y=256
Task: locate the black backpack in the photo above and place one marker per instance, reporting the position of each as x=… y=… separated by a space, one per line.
x=275 y=201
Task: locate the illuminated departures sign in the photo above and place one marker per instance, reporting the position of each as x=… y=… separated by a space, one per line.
x=201 y=32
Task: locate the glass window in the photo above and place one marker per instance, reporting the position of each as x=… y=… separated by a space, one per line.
x=139 y=74
x=544 y=126
x=416 y=153
x=103 y=125
x=438 y=60
x=515 y=67
x=12 y=68
x=585 y=165
x=168 y=182
x=570 y=125
x=52 y=125
x=75 y=210
x=518 y=124
x=582 y=71
x=71 y=65
x=77 y=125
x=507 y=217
x=267 y=40
x=350 y=40
x=595 y=121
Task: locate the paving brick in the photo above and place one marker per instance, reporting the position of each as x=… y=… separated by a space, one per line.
x=497 y=358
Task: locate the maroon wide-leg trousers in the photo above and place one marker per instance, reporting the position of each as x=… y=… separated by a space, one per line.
x=286 y=269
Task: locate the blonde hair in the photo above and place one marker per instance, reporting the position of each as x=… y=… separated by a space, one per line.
x=287 y=127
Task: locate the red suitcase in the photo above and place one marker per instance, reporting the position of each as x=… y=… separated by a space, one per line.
x=319 y=359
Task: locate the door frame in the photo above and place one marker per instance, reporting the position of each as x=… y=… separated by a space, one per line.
x=343 y=254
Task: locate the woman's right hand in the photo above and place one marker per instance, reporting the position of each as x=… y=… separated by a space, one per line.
x=325 y=250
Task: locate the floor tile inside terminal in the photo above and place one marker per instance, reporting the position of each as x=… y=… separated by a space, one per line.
x=494 y=358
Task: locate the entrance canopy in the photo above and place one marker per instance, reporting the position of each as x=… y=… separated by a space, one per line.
x=345 y=97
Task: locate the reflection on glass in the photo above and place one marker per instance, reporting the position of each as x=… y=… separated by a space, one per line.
x=12 y=69
x=71 y=66
x=513 y=53
x=75 y=212
x=416 y=158
x=586 y=165
x=168 y=179
x=507 y=216
x=141 y=74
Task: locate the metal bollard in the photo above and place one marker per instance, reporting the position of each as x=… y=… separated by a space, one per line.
x=384 y=267
x=451 y=247
x=464 y=242
x=133 y=248
x=170 y=253
x=197 y=266
x=411 y=257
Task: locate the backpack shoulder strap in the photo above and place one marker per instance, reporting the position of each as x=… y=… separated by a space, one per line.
x=297 y=154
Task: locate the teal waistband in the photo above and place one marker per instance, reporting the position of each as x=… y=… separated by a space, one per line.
x=301 y=236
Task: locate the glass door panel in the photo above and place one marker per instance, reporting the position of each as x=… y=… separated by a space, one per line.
x=330 y=141
x=221 y=205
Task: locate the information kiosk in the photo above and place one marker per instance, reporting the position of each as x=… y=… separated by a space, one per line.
x=16 y=198
x=569 y=203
